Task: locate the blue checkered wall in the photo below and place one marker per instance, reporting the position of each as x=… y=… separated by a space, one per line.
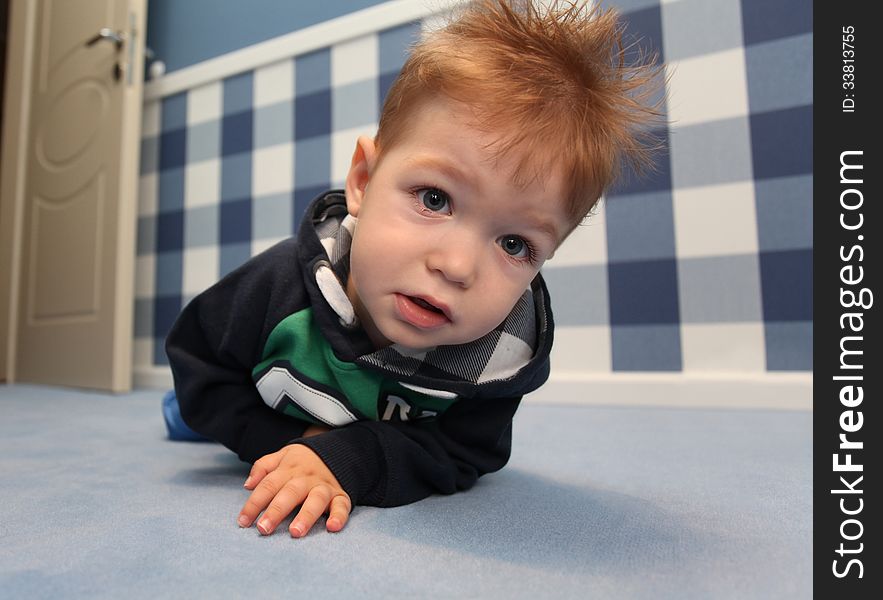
x=706 y=265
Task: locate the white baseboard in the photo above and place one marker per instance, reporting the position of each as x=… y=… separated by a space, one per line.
x=159 y=378
x=780 y=391
x=777 y=391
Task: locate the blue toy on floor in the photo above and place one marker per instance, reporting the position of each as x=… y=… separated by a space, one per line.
x=178 y=429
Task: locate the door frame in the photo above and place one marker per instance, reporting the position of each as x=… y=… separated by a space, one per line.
x=13 y=164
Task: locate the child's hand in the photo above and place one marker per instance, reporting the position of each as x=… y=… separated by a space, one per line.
x=294 y=476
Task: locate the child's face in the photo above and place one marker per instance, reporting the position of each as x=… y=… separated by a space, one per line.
x=446 y=243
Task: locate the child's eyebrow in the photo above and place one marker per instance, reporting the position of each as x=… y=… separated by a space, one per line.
x=446 y=168
x=544 y=226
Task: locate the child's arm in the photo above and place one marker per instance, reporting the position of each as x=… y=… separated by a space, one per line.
x=377 y=463
x=215 y=343
x=389 y=463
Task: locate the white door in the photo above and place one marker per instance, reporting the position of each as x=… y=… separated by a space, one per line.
x=78 y=242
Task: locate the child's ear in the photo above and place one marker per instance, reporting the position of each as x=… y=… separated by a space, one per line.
x=357 y=178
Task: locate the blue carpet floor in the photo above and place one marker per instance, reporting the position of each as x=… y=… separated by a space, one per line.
x=595 y=503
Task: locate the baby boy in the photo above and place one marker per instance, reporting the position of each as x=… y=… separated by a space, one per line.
x=379 y=356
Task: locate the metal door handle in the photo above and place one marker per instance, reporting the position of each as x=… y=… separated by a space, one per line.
x=117 y=37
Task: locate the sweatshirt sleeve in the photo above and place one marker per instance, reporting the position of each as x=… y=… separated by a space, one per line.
x=390 y=463
x=212 y=348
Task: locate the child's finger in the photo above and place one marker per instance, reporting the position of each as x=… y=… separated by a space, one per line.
x=314 y=507
x=291 y=494
x=259 y=499
x=339 y=513
x=262 y=466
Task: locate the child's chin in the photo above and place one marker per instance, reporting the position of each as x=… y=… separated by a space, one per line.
x=415 y=345
x=417 y=340
x=427 y=339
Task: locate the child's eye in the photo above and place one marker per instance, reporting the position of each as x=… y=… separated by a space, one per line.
x=516 y=247
x=434 y=200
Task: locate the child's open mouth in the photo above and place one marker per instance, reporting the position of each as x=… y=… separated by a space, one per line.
x=420 y=313
x=425 y=304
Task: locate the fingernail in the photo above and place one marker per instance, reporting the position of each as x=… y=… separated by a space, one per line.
x=247 y=481
x=243 y=521
x=264 y=526
x=332 y=524
x=297 y=530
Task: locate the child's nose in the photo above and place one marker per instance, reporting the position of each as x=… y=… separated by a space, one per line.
x=456 y=259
